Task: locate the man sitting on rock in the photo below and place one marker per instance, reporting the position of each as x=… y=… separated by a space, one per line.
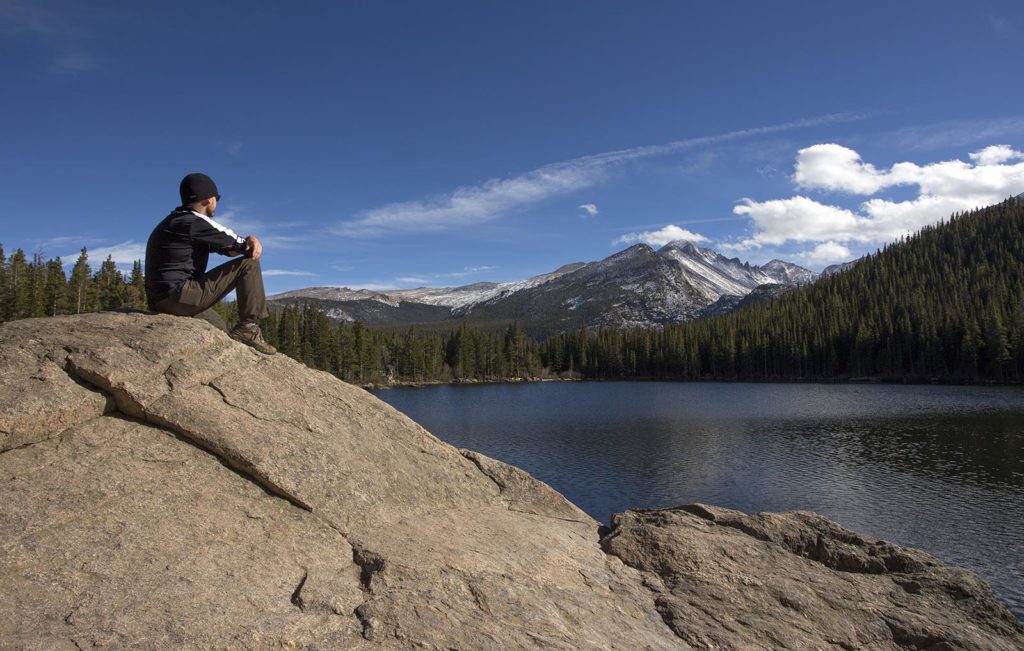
x=176 y=256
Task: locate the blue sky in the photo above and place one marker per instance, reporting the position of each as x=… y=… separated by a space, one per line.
x=398 y=144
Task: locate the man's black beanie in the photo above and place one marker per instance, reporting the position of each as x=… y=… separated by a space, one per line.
x=196 y=187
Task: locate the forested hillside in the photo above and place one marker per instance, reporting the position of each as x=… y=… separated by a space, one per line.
x=946 y=304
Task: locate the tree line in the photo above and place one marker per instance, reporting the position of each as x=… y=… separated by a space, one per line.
x=36 y=287
x=945 y=304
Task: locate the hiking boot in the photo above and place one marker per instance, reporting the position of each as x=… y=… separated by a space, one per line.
x=250 y=335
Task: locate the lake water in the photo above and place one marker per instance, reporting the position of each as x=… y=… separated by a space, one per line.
x=934 y=467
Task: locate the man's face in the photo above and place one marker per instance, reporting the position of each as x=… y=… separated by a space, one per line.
x=210 y=206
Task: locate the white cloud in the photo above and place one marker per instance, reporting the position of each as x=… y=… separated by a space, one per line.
x=826 y=253
x=834 y=167
x=942 y=189
x=589 y=208
x=412 y=280
x=474 y=204
x=286 y=272
x=799 y=219
x=661 y=237
x=996 y=155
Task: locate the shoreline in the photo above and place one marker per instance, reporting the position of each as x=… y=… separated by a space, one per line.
x=373 y=386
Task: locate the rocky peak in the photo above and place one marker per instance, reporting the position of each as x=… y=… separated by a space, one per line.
x=686 y=246
x=637 y=250
x=836 y=268
x=787 y=273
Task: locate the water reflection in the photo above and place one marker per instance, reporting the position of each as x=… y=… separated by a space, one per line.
x=940 y=468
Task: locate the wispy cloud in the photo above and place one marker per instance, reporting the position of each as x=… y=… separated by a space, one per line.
x=23 y=18
x=698 y=163
x=373 y=286
x=232 y=148
x=66 y=241
x=474 y=204
x=468 y=271
x=1003 y=26
x=286 y=235
x=661 y=237
x=432 y=277
x=66 y=40
x=955 y=134
x=72 y=63
x=286 y=272
x=589 y=208
x=124 y=253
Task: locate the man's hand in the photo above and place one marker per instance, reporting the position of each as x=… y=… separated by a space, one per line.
x=253 y=247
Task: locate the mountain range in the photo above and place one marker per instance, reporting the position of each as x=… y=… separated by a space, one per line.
x=636 y=287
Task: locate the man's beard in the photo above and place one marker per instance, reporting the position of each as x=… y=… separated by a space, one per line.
x=209 y=210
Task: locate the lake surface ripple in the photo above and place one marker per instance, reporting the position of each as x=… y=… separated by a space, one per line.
x=934 y=467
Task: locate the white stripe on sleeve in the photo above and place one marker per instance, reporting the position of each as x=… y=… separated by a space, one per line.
x=220 y=227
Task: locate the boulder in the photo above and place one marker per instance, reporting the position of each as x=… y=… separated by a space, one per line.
x=795 y=580
x=165 y=486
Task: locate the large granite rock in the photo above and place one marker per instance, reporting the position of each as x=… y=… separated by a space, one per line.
x=798 y=581
x=164 y=486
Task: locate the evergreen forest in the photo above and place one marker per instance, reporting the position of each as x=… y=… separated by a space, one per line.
x=943 y=305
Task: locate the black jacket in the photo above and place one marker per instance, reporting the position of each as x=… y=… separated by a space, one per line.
x=179 y=248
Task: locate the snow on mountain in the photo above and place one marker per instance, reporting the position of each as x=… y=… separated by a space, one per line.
x=339 y=294
x=462 y=299
x=711 y=273
x=715 y=276
x=634 y=287
x=457 y=298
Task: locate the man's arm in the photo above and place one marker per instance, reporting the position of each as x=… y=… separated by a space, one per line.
x=219 y=238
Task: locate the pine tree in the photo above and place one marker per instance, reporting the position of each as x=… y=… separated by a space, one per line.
x=37 y=272
x=55 y=293
x=80 y=285
x=137 y=288
x=4 y=287
x=19 y=297
x=109 y=285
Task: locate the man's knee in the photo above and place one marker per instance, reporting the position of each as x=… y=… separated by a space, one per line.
x=250 y=265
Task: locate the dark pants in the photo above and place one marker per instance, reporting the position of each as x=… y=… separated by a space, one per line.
x=198 y=295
